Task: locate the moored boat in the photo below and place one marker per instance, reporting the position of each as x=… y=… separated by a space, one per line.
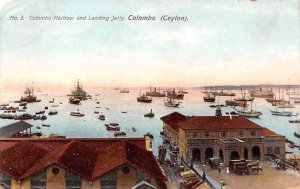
x=77 y=114
x=174 y=95
x=25 y=116
x=296 y=135
x=295 y=121
x=75 y=100
x=243 y=99
x=209 y=98
x=155 y=93
x=29 y=97
x=54 y=112
x=150 y=114
x=171 y=102
x=285 y=105
x=40 y=112
x=222 y=93
x=182 y=91
x=144 y=98
x=113 y=128
x=262 y=93
x=118 y=133
x=124 y=91
x=281 y=113
x=78 y=92
x=101 y=117
x=248 y=113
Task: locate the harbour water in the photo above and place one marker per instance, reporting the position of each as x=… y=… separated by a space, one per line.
x=124 y=109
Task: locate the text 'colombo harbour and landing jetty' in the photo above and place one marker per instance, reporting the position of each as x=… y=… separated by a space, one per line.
x=151 y=18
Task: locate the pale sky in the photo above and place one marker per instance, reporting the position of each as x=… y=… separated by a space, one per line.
x=228 y=42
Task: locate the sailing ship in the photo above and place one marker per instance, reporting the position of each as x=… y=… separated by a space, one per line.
x=29 y=97
x=244 y=98
x=155 y=93
x=248 y=113
x=171 y=102
x=78 y=92
x=144 y=98
x=209 y=97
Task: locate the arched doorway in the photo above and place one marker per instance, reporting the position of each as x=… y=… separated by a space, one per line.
x=234 y=155
x=221 y=155
x=209 y=153
x=196 y=154
x=246 y=156
x=256 y=153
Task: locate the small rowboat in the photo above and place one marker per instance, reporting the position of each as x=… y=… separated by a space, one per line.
x=77 y=114
x=296 y=135
x=295 y=121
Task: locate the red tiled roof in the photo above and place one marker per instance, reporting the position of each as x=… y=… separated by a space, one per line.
x=16 y=160
x=213 y=122
x=89 y=158
x=172 y=120
x=267 y=132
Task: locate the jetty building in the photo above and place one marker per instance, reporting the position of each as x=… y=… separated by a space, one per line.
x=227 y=137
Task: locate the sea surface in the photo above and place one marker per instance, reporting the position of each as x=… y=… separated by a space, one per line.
x=114 y=105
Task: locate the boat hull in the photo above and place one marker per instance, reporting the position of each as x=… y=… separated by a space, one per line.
x=281 y=113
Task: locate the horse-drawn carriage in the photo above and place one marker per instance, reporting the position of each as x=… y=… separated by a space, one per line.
x=241 y=167
x=214 y=162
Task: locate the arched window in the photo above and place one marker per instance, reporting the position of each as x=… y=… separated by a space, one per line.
x=38 y=181
x=142 y=176
x=5 y=180
x=73 y=181
x=109 y=181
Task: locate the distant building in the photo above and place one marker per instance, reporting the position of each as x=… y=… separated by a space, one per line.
x=227 y=137
x=78 y=164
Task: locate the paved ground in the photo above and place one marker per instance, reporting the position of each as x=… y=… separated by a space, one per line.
x=269 y=178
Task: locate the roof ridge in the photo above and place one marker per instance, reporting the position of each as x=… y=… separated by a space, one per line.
x=16 y=169
x=117 y=144
x=57 y=153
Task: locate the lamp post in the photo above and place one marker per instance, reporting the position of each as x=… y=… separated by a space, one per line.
x=221 y=183
x=203 y=175
x=191 y=161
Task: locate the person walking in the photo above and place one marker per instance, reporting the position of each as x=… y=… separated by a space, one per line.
x=219 y=169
